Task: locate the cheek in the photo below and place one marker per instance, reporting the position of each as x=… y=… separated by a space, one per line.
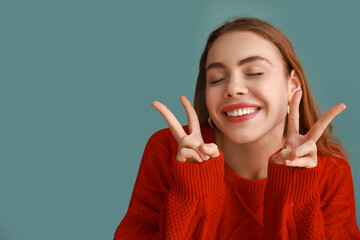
x=275 y=97
x=276 y=89
x=211 y=100
x=279 y=101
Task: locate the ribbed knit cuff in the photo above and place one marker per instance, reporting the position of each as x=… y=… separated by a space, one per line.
x=292 y=184
x=198 y=180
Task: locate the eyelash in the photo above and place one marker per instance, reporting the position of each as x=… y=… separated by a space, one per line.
x=216 y=81
x=254 y=74
x=249 y=75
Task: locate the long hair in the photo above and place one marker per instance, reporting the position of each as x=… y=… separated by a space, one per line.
x=309 y=112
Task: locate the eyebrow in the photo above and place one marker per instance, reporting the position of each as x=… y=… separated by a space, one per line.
x=240 y=63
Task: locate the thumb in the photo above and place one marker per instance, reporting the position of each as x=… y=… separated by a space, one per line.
x=210 y=149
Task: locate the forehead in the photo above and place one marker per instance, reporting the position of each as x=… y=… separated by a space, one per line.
x=234 y=46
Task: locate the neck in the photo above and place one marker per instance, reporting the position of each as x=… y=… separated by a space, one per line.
x=250 y=160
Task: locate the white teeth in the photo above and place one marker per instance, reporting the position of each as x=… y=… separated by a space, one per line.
x=241 y=111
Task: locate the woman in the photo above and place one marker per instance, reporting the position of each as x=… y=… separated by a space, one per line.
x=255 y=162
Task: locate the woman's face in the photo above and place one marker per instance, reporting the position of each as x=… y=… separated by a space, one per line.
x=247 y=90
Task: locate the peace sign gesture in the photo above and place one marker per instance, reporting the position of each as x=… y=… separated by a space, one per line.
x=191 y=147
x=300 y=150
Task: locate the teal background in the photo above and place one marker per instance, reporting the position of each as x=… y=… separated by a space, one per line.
x=77 y=80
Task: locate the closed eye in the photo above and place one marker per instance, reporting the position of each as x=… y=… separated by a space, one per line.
x=216 y=81
x=254 y=74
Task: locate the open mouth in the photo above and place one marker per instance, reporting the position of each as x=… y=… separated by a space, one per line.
x=242 y=112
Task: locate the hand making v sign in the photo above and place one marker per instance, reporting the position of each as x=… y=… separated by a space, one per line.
x=300 y=150
x=191 y=147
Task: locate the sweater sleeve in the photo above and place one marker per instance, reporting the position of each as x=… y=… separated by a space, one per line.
x=338 y=203
x=172 y=199
x=294 y=208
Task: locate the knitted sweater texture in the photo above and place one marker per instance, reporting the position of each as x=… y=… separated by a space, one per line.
x=180 y=200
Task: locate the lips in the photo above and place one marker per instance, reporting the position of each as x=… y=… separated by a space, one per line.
x=231 y=112
x=238 y=105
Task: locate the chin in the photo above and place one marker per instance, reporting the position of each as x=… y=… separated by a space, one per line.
x=242 y=138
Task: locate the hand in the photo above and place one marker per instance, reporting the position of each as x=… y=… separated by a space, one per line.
x=191 y=147
x=300 y=150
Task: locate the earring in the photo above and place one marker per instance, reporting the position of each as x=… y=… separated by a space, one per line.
x=210 y=122
x=288 y=109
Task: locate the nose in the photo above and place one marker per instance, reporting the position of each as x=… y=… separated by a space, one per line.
x=235 y=87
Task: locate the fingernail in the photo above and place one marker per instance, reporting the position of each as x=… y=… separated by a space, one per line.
x=288 y=162
x=206 y=157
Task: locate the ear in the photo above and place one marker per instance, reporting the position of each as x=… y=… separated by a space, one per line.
x=293 y=84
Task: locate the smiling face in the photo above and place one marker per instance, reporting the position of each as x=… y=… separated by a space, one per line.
x=247 y=89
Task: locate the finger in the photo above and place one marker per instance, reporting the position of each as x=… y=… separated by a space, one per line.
x=319 y=127
x=193 y=120
x=279 y=158
x=188 y=141
x=308 y=148
x=188 y=155
x=293 y=118
x=174 y=125
x=210 y=149
x=302 y=162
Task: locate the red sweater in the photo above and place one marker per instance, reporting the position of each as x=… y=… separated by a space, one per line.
x=180 y=200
